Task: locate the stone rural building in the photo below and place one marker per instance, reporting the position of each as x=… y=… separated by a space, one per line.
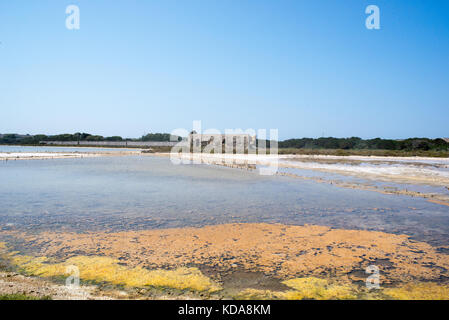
x=243 y=141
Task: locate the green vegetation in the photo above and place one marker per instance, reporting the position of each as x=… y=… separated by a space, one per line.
x=367 y=153
x=412 y=147
x=18 y=139
x=355 y=143
x=157 y=137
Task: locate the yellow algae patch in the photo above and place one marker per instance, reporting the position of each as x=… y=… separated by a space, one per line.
x=419 y=291
x=107 y=269
x=274 y=249
x=309 y=288
x=2 y=245
x=319 y=289
x=304 y=288
x=257 y=294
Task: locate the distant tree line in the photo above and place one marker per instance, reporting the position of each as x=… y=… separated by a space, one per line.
x=13 y=138
x=156 y=137
x=353 y=143
x=356 y=143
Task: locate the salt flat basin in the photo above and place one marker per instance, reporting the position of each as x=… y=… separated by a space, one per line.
x=148 y=192
x=257 y=157
x=422 y=170
x=45 y=152
x=371 y=158
x=41 y=155
x=400 y=171
x=65 y=149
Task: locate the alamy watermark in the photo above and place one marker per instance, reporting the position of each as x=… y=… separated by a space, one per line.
x=248 y=148
x=72 y=21
x=372 y=22
x=73 y=280
x=373 y=281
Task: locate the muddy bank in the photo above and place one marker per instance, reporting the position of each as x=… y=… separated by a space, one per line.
x=12 y=283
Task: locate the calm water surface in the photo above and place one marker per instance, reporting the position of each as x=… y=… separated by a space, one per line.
x=137 y=192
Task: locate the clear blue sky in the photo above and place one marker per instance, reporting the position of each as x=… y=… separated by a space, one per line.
x=307 y=68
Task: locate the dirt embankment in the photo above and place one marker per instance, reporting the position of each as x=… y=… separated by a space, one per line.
x=12 y=283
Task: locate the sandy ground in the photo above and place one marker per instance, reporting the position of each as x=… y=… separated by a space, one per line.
x=5 y=156
x=43 y=155
x=14 y=283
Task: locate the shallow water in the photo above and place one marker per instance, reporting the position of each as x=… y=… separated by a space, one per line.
x=140 y=192
x=330 y=176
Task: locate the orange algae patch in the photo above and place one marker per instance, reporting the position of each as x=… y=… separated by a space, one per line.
x=99 y=269
x=274 y=249
x=419 y=291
